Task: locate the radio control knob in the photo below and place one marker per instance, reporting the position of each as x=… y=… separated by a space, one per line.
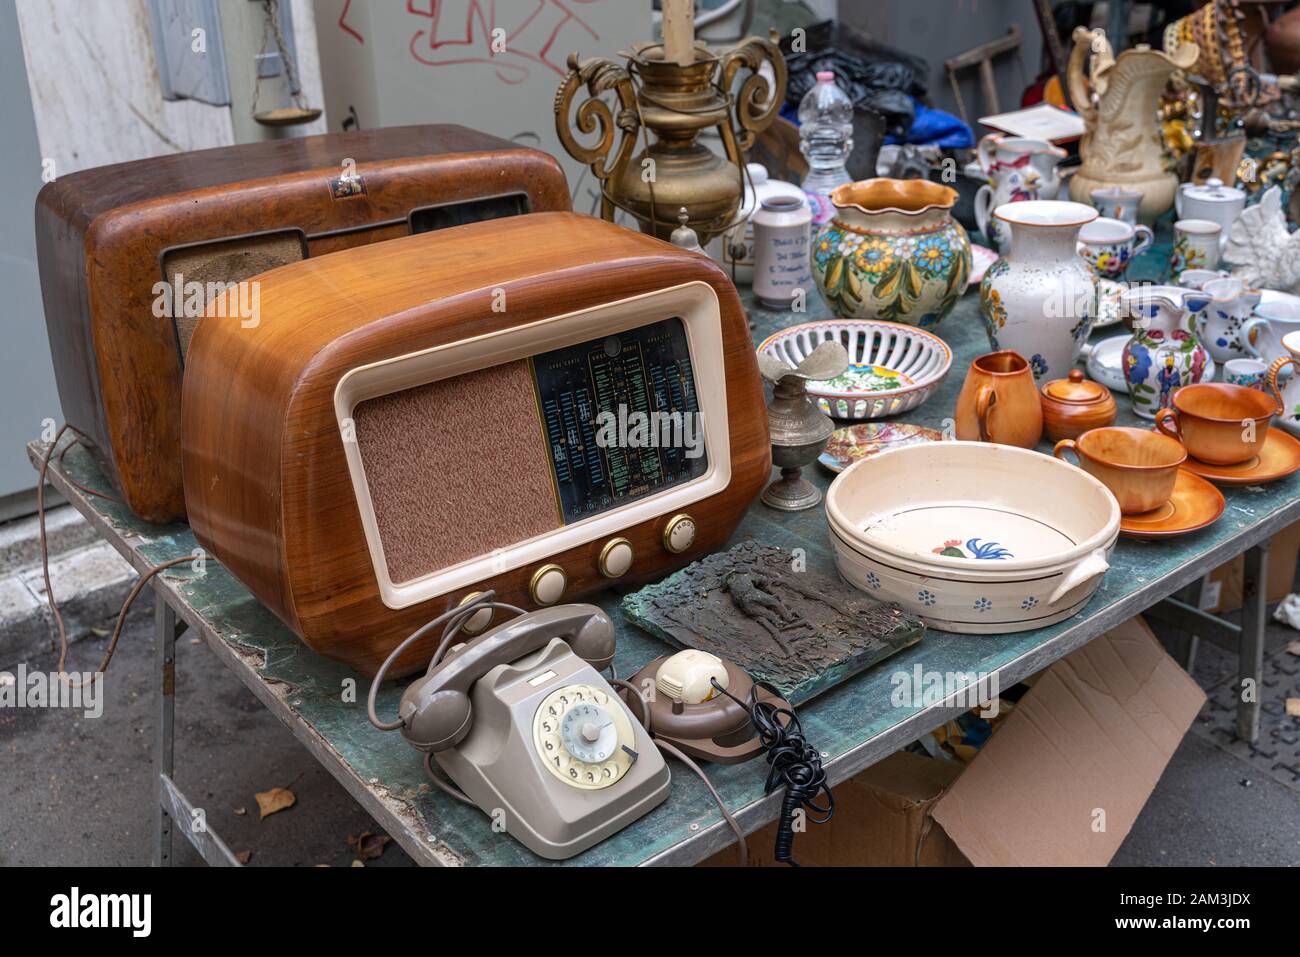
x=679 y=533
x=547 y=585
x=477 y=621
x=616 y=558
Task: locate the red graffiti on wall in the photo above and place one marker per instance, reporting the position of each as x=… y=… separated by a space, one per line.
x=531 y=34
x=344 y=26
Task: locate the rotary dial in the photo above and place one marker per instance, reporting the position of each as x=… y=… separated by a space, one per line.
x=583 y=736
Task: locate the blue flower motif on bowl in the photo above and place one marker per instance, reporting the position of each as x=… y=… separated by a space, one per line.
x=872 y=580
x=983 y=604
x=1029 y=603
x=925 y=597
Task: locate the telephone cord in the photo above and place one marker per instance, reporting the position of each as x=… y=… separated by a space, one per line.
x=461 y=613
x=666 y=748
x=793 y=763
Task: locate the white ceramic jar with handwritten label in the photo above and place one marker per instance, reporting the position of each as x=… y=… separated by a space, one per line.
x=782 y=267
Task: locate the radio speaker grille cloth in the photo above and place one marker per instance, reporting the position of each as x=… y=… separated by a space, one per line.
x=456 y=468
x=230 y=260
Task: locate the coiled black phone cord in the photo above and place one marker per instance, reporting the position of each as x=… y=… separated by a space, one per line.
x=792 y=763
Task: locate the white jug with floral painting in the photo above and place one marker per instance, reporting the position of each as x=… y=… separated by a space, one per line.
x=1018 y=169
x=1040 y=298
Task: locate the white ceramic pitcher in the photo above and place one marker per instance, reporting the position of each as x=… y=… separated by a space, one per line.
x=1018 y=169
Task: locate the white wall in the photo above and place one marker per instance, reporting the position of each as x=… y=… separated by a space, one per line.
x=94 y=84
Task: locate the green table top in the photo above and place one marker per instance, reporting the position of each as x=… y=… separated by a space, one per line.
x=854 y=724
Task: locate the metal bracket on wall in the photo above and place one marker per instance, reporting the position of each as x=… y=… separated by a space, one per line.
x=189 y=50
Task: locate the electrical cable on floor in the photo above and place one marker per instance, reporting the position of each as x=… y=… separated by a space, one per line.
x=61 y=630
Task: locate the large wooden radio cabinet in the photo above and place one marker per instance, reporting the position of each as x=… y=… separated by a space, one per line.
x=415 y=422
x=131 y=255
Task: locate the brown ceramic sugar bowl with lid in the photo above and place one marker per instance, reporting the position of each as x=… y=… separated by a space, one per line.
x=1073 y=405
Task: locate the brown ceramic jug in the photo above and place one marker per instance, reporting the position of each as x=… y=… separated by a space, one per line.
x=999 y=402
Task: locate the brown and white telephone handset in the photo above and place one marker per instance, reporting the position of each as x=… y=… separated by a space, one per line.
x=523 y=723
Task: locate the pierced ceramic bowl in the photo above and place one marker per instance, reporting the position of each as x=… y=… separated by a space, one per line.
x=972 y=537
x=892 y=367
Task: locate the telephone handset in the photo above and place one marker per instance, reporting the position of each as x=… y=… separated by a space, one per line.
x=524 y=724
x=436 y=711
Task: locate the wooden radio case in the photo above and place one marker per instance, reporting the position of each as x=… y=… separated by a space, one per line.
x=416 y=422
x=112 y=242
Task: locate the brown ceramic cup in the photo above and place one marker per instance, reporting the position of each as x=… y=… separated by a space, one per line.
x=1220 y=424
x=1139 y=467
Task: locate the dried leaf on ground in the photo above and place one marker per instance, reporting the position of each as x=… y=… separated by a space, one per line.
x=276 y=799
x=368 y=845
x=1293 y=707
x=244 y=857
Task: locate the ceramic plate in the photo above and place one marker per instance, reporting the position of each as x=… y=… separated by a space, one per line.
x=1194 y=504
x=893 y=368
x=981 y=258
x=1278 y=459
x=859 y=441
x=1107 y=303
x=1106 y=363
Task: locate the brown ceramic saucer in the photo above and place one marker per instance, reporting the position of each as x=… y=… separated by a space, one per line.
x=1279 y=457
x=1194 y=504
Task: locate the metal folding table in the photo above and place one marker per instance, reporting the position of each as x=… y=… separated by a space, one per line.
x=855 y=724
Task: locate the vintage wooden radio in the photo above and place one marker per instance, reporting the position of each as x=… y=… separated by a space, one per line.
x=130 y=255
x=543 y=406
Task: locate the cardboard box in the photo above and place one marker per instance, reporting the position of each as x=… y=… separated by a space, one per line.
x=1060 y=783
x=1222 y=593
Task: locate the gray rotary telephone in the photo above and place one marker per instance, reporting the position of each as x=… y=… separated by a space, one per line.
x=523 y=723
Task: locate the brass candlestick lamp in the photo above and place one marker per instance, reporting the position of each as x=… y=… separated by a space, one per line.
x=676 y=102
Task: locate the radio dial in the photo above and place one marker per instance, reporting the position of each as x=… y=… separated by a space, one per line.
x=679 y=533
x=477 y=621
x=616 y=558
x=547 y=585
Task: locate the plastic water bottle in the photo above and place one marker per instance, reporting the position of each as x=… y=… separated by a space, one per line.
x=826 y=139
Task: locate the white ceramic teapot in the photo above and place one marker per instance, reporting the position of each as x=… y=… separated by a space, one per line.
x=1213 y=201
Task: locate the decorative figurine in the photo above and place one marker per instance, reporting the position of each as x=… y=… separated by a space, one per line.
x=1118 y=101
x=799 y=631
x=1265 y=253
x=799 y=431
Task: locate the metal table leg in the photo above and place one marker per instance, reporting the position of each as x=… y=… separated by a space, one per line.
x=1250 y=664
x=164 y=638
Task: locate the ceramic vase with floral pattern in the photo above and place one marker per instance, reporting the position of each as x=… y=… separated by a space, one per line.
x=892 y=251
x=1041 y=298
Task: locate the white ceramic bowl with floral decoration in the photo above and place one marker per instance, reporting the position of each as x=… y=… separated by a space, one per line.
x=892 y=367
x=973 y=537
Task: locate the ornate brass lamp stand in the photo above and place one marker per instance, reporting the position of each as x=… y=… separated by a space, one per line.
x=676 y=103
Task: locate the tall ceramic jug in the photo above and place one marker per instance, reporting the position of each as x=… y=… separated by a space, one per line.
x=1040 y=299
x=1018 y=169
x=1122 y=144
x=1164 y=354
